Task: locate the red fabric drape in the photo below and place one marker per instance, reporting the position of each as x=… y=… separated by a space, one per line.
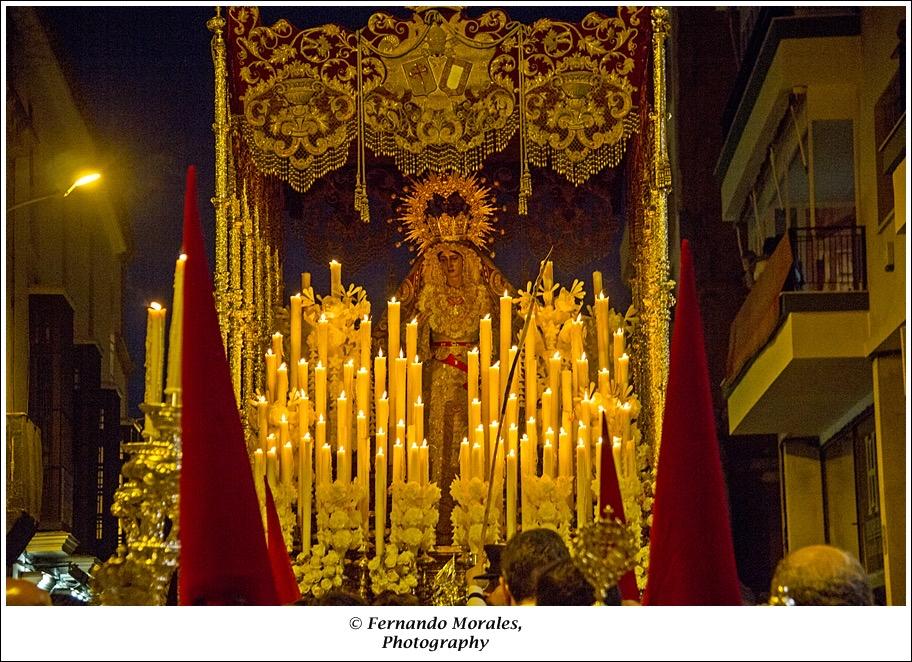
x=692 y=559
x=223 y=546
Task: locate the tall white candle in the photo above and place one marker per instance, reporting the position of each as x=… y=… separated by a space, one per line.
x=511 y=494
x=335 y=279
x=379 y=501
x=423 y=463
x=379 y=379
x=411 y=341
x=413 y=463
x=474 y=414
x=392 y=312
x=175 y=333
x=622 y=363
x=413 y=388
x=305 y=494
x=342 y=422
x=554 y=384
x=465 y=460
x=601 y=330
x=484 y=358
x=272 y=464
x=494 y=392
x=155 y=343
x=343 y=465
x=564 y=454
x=478 y=463
x=348 y=378
x=532 y=434
x=320 y=391
x=277 y=347
x=514 y=382
x=548 y=459
x=382 y=413
x=419 y=420
x=281 y=398
x=583 y=487
x=287 y=465
x=401 y=396
x=398 y=462
x=262 y=421
x=362 y=391
x=473 y=374
x=506 y=337
x=530 y=372
x=481 y=471
x=618 y=338
x=294 y=342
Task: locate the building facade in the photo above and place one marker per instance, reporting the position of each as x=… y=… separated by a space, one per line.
x=66 y=361
x=813 y=177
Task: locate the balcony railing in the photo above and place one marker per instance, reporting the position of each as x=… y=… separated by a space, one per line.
x=825 y=259
x=829 y=259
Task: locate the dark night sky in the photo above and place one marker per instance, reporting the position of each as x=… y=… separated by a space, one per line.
x=143 y=78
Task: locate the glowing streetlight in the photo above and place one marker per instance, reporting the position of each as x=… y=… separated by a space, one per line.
x=82 y=181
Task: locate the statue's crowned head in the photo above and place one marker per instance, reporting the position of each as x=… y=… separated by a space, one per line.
x=448 y=208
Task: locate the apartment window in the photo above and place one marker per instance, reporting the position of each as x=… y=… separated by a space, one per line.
x=890 y=139
x=833 y=168
x=780 y=196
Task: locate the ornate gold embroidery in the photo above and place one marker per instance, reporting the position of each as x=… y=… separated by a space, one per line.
x=578 y=96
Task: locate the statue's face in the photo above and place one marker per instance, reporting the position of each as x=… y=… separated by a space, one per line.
x=451 y=262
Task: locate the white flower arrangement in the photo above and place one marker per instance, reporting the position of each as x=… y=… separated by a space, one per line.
x=414 y=515
x=342 y=314
x=338 y=515
x=548 y=501
x=395 y=571
x=553 y=314
x=468 y=515
x=318 y=572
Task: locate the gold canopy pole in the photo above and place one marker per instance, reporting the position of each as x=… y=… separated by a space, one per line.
x=216 y=25
x=657 y=287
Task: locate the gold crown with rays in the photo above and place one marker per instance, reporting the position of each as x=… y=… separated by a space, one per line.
x=448 y=207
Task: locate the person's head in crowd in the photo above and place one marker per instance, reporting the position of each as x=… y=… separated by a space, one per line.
x=561 y=583
x=820 y=575
x=525 y=553
x=338 y=598
x=391 y=599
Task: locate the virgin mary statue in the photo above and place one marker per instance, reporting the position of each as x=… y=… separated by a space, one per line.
x=451 y=287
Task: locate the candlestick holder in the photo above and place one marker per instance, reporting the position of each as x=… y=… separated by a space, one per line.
x=146 y=504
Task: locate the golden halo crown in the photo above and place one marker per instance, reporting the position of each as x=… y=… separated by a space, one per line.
x=449 y=207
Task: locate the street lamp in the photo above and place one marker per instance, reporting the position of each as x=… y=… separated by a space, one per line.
x=82 y=181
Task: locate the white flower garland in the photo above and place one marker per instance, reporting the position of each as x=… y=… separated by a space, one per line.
x=338 y=531
x=395 y=571
x=548 y=501
x=468 y=515
x=414 y=515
